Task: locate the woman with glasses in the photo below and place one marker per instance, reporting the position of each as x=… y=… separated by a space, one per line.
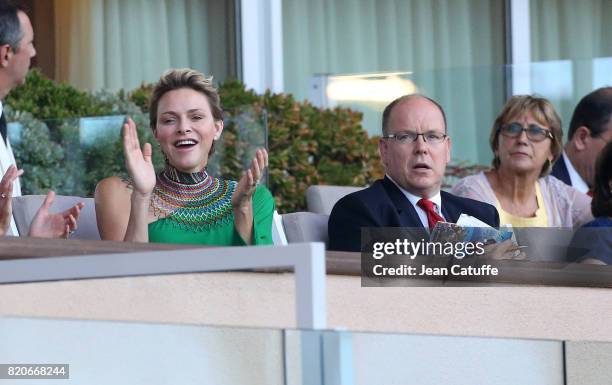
x=526 y=139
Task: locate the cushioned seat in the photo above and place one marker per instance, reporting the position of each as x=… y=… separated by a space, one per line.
x=25 y=207
x=305 y=227
x=321 y=199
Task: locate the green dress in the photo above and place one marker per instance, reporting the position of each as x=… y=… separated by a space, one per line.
x=219 y=227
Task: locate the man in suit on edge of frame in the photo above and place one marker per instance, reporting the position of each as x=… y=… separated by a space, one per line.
x=589 y=131
x=16 y=52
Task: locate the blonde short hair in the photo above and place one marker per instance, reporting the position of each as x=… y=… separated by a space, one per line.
x=175 y=79
x=543 y=111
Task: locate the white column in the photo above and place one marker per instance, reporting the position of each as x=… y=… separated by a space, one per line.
x=262 y=44
x=520 y=47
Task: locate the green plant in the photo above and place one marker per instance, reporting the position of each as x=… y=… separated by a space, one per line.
x=307 y=145
x=45 y=99
x=36 y=153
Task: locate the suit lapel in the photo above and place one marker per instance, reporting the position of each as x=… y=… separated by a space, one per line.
x=560 y=171
x=406 y=212
x=3 y=127
x=449 y=210
x=565 y=172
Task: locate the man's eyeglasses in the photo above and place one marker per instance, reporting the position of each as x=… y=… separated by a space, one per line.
x=411 y=137
x=534 y=133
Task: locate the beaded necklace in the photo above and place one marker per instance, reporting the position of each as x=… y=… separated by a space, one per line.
x=195 y=201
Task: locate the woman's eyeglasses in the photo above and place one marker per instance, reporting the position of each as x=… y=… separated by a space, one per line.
x=534 y=133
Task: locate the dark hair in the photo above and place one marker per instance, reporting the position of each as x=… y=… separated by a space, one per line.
x=390 y=106
x=593 y=111
x=601 y=205
x=543 y=111
x=10 y=29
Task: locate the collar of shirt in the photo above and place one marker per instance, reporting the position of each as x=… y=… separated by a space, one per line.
x=436 y=199
x=1 y=108
x=577 y=182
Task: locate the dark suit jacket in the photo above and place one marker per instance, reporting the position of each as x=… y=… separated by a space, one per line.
x=559 y=171
x=3 y=132
x=384 y=205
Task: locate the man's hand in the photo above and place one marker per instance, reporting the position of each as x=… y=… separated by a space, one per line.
x=505 y=250
x=58 y=225
x=6 y=195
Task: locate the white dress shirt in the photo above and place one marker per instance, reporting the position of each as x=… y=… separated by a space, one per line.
x=6 y=159
x=577 y=182
x=436 y=199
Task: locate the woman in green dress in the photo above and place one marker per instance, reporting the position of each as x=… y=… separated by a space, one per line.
x=183 y=203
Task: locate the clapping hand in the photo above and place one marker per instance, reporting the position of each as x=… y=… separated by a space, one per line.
x=6 y=195
x=58 y=225
x=138 y=162
x=249 y=180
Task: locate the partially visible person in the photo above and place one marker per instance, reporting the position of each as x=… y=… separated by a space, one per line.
x=414 y=150
x=592 y=243
x=184 y=203
x=589 y=131
x=44 y=224
x=526 y=139
x=16 y=51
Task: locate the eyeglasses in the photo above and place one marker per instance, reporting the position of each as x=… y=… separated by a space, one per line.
x=411 y=137
x=534 y=133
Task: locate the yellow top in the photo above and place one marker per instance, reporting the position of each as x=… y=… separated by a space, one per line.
x=540 y=219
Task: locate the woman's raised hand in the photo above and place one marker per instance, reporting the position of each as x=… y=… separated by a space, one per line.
x=138 y=162
x=250 y=178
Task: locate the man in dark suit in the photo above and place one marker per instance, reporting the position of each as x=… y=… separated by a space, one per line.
x=589 y=131
x=415 y=151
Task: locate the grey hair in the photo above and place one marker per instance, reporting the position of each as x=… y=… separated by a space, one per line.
x=10 y=28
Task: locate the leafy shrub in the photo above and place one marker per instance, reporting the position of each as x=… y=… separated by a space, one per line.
x=38 y=154
x=307 y=145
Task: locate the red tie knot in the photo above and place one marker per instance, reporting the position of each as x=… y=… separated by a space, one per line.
x=426 y=204
x=432 y=216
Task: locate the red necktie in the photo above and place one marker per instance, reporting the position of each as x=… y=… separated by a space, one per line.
x=590 y=193
x=432 y=215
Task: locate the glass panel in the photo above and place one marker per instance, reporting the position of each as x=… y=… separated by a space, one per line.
x=471 y=97
x=395 y=358
x=565 y=82
x=101 y=352
x=342 y=357
x=71 y=156
x=356 y=36
x=566 y=29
